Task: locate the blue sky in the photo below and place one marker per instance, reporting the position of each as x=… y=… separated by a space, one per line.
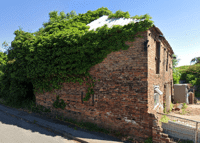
x=178 y=20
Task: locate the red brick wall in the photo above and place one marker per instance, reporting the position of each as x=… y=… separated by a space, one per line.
x=164 y=77
x=122 y=92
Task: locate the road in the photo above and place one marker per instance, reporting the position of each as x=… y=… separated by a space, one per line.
x=13 y=130
x=19 y=127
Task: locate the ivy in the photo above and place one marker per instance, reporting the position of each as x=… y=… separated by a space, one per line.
x=119 y=14
x=58 y=104
x=64 y=50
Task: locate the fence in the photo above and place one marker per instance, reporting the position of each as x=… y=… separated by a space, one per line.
x=181 y=128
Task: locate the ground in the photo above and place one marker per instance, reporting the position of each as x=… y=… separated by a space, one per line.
x=192 y=112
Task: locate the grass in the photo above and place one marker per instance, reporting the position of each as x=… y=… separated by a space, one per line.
x=171 y=106
x=183 y=108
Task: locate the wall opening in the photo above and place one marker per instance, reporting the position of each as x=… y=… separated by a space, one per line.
x=167 y=61
x=157 y=57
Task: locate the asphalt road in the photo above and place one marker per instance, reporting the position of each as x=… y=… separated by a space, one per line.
x=19 y=127
x=14 y=130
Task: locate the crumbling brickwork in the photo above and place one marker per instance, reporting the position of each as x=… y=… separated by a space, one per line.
x=124 y=97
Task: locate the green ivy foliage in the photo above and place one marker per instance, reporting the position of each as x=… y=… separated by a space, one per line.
x=3 y=61
x=176 y=76
x=58 y=104
x=3 y=58
x=64 y=50
x=120 y=14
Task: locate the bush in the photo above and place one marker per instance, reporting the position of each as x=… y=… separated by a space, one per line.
x=190 y=77
x=164 y=119
x=176 y=76
x=14 y=91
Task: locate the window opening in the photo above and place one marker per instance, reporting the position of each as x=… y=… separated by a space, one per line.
x=167 y=62
x=157 y=57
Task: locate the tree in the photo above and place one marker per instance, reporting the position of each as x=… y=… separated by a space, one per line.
x=174 y=62
x=8 y=49
x=176 y=74
x=54 y=17
x=195 y=60
x=71 y=14
x=5 y=44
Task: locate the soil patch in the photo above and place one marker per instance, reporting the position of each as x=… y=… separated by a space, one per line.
x=192 y=112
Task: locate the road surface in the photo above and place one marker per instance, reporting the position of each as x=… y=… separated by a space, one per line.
x=19 y=127
x=13 y=130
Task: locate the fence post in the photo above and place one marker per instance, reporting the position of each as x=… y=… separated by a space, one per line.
x=196 y=133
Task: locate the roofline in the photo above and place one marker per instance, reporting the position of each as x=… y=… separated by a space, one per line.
x=157 y=31
x=160 y=33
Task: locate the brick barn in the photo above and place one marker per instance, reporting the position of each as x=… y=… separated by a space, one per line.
x=134 y=85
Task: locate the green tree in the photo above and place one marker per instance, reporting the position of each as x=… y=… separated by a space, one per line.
x=6 y=48
x=71 y=14
x=5 y=44
x=195 y=60
x=176 y=74
x=174 y=62
x=3 y=59
x=54 y=17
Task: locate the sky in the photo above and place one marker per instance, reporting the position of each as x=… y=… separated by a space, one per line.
x=178 y=20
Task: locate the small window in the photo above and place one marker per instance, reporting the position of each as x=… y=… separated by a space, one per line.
x=156 y=99
x=157 y=58
x=167 y=62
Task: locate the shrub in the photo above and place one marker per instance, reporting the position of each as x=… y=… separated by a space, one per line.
x=176 y=76
x=164 y=119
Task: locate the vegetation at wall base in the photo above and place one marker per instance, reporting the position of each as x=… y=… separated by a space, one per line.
x=58 y=104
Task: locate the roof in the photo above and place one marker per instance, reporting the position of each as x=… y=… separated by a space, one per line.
x=111 y=21
x=120 y=21
x=158 y=31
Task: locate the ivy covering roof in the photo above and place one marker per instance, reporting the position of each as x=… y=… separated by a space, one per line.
x=119 y=21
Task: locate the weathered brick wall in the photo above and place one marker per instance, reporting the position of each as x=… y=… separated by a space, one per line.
x=164 y=77
x=121 y=96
